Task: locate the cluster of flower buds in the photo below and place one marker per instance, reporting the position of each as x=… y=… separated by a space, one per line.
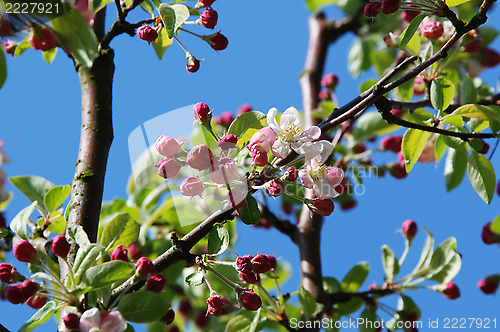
x=20 y=293
x=329 y=82
x=250 y=268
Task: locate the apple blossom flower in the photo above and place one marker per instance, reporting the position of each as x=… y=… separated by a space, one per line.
x=321 y=178
x=192 y=186
x=103 y=321
x=223 y=170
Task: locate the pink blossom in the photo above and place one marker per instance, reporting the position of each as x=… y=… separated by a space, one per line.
x=103 y=321
x=167 y=146
x=223 y=170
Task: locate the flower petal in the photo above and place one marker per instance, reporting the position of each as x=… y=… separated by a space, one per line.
x=310 y=134
x=323 y=189
x=291 y=115
x=280 y=148
x=271 y=120
x=306 y=179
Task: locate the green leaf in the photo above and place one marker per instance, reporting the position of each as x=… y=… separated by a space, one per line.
x=33 y=187
x=5 y=203
x=369 y=318
x=454 y=167
x=57 y=223
x=443 y=254
x=478 y=112
x=19 y=224
x=3 y=232
x=244 y=321
x=442 y=93
x=3 y=67
x=173 y=16
x=194 y=279
x=218 y=240
x=96 y=5
x=148 y=7
x=439 y=148
x=359 y=57
x=381 y=61
x=449 y=270
x=78 y=235
x=143 y=307
x=410 y=30
x=314 y=5
x=454 y=142
x=106 y=273
x=390 y=263
x=453 y=3
x=468 y=91
x=40 y=317
x=426 y=254
x=355 y=277
x=482 y=176
x=331 y=285
x=495 y=225
x=307 y=302
x=49 y=55
x=405 y=90
x=370 y=125
x=161 y=43
x=349 y=307
x=246 y=121
x=54 y=198
x=250 y=213
x=86 y=257
x=75 y=34
x=420 y=116
x=121 y=230
x=414 y=141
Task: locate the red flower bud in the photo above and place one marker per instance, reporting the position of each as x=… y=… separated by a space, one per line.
x=48 y=41
x=244 y=264
x=348 y=204
x=259 y=158
x=292 y=174
x=359 y=148
x=60 y=246
x=202 y=319
x=200 y=157
x=397 y=170
x=225 y=119
x=6 y=27
x=167 y=146
x=202 y=113
x=409 y=15
x=392 y=143
x=192 y=64
x=250 y=278
x=168 y=168
x=169 y=317
x=8 y=273
x=409 y=229
x=330 y=81
x=342 y=187
x=275 y=188
x=372 y=9
x=489 y=285
x=36 y=302
x=324 y=95
x=134 y=251
x=473 y=47
x=451 y=291
x=156 y=282
x=120 y=253
x=204 y=3
x=228 y=142
x=250 y=300
x=24 y=251
x=390 y=6
x=147 y=33
x=217 y=41
x=488 y=236
x=185 y=307
x=323 y=207
x=215 y=305
x=192 y=186
x=396 y=112
x=244 y=109
x=15 y=295
x=433 y=30
x=209 y=18
x=144 y=267
x=261 y=264
x=491 y=58
x=263 y=223
x=72 y=321
x=272 y=261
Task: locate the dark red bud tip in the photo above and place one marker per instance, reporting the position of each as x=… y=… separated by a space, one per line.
x=215 y=305
x=120 y=253
x=250 y=300
x=24 y=251
x=292 y=174
x=372 y=9
x=275 y=188
x=60 y=246
x=48 y=41
x=72 y=321
x=323 y=207
x=209 y=18
x=202 y=113
x=451 y=291
x=218 y=41
x=488 y=236
x=261 y=263
x=489 y=285
x=409 y=229
x=36 y=302
x=144 y=267
x=147 y=33
x=244 y=264
x=169 y=317
x=156 y=282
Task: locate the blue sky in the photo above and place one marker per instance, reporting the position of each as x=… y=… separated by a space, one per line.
x=267 y=41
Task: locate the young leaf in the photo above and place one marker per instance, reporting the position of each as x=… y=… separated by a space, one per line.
x=122 y=229
x=449 y=270
x=22 y=47
x=143 y=307
x=355 y=277
x=439 y=148
x=443 y=254
x=390 y=263
x=482 y=176
x=468 y=91
x=161 y=43
x=3 y=67
x=478 y=112
x=49 y=55
x=442 y=93
x=33 y=187
x=307 y=302
x=194 y=279
x=359 y=57
x=106 y=273
x=453 y=3
x=39 y=318
x=454 y=168
x=245 y=321
x=54 y=198
x=370 y=125
x=173 y=17
x=410 y=30
x=86 y=257
x=20 y=222
x=414 y=141
x=250 y=213
x=246 y=121
x=78 y=235
x=218 y=240
x=96 y=5
x=426 y=254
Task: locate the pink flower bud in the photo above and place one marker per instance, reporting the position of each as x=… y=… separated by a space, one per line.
x=72 y=321
x=223 y=170
x=36 y=302
x=204 y=3
x=60 y=246
x=225 y=119
x=419 y=86
x=168 y=168
x=228 y=142
x=391 y=143
x=169 y=317
x=167 y=146
x=323 y=207
x=156 y=282
x=147 y=33
x=24 y=251
x=451 y=291
x=490 y=58
x=250 y=278
x=105 y=321
x=275 y=188
x=202 y=113
x=334 y=175
x=120 y=253
x=217 y=41
x=236 y=199
x=200 y=157
x=215 y=305
x=192 y=186
x=433 y=30
x=396 y=112
x=292 y=174
x=262 y=140
x=409 y=229
x=342 y=187
x=348 y=204
x=250 y=300
x=390 y=6
x=209 y=18
x=48 y=40
x=372 y=9
x=144 y=267
x=324 y=95
x=489 y=285
x=261 y=264
x=409 y=15
x=272 y=261
x=488 y=236
x=330 y=81
x=134 y=251
x=10 y=46
x=192 y=64
x=244 y=264
x=244 y=109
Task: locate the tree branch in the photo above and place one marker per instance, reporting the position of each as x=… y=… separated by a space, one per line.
x=284 y=226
